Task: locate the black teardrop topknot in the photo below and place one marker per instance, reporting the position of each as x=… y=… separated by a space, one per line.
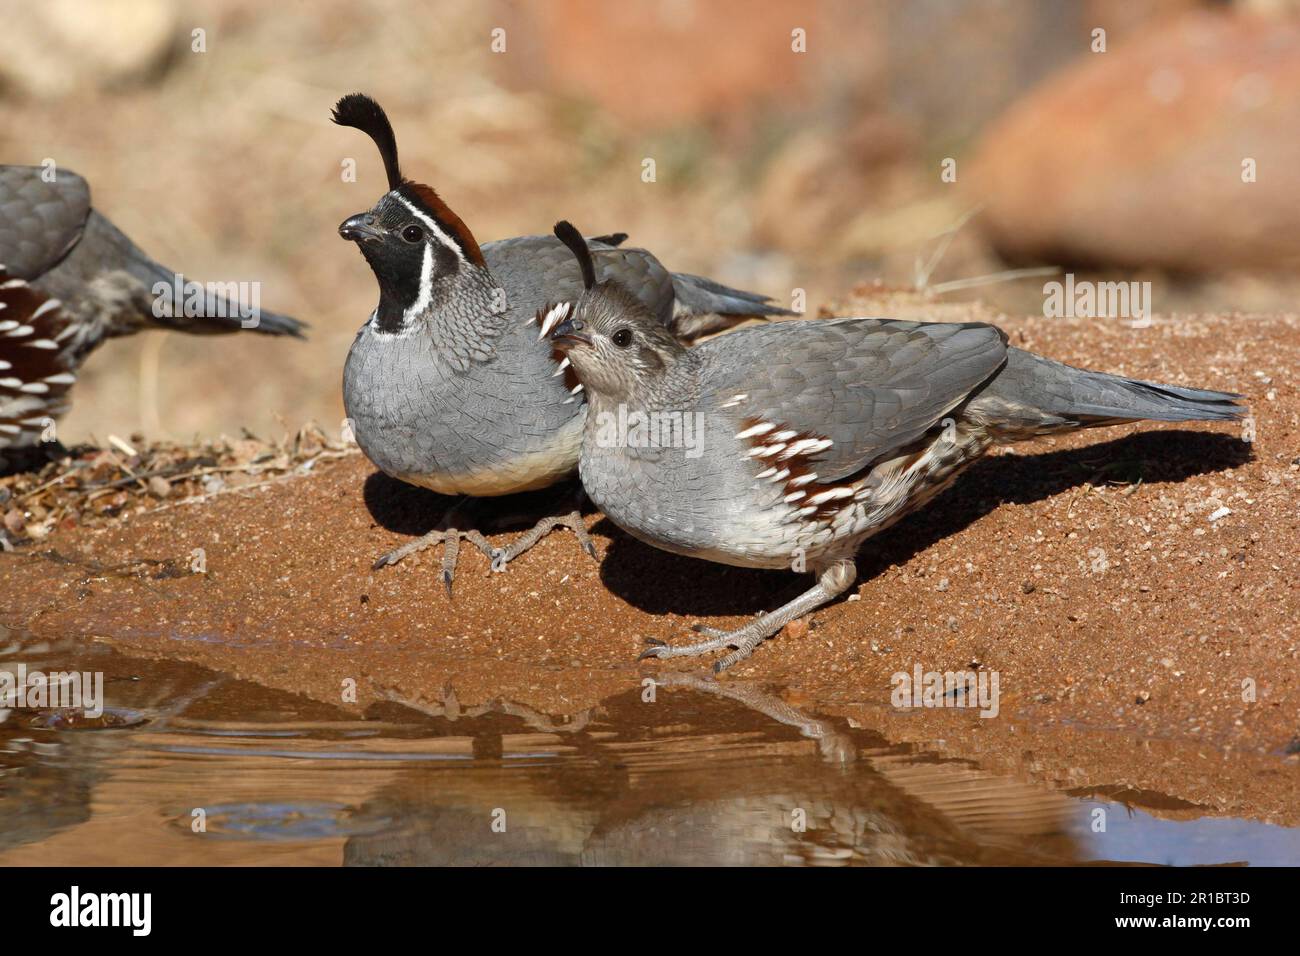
x=361 y=112
x=567 y=234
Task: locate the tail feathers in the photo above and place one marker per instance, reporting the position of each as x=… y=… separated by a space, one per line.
x=207 y=308
x=704 y=306
x=1110 y=397
x=277 y=323
x=1039 y=395
x=214 y=309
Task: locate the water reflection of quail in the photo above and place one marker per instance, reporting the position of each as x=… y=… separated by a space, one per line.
x=659 y=790
x=53 y=760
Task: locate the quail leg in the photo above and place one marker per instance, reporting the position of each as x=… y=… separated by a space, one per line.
x=449 y=537
x=831 y=583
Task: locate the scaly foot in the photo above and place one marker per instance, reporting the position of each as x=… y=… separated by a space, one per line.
x=573 y=521
x=449 y=537
x=743 y=639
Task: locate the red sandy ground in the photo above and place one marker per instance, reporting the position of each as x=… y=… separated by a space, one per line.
x=1122 y=620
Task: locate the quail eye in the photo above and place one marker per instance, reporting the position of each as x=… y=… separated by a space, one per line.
x=412 y=233
x=622 y=338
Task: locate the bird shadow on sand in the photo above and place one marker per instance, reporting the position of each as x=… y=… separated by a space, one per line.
x=16 y=461
x=658 y=582
x=406 y=509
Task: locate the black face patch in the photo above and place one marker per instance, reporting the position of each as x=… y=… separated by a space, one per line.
x=397 y=266
x=398 y=263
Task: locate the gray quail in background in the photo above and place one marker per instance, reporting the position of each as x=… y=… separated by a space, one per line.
x=809 y=436
x=70 y=279
x=446 y=387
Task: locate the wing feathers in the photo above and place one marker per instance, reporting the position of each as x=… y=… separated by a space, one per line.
x=851 y=390
x=39 y=220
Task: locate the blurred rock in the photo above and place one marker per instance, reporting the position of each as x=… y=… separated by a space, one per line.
x=859 y=179
x=818 y=182
x=54 y=47
x=628 y=57
x=1135 y=157
x=951 y=67
x=1123 y=18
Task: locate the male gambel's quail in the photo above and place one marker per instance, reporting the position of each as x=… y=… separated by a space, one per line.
x=445 y=387
x=70 y=279
x=809 y=437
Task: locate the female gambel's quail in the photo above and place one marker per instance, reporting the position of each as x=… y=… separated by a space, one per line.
x=445 y=386
x=788 y=445
x=68 y=280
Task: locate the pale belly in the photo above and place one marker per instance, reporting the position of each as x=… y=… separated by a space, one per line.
x=752 y=526
x=499 y=429
x=527 y=472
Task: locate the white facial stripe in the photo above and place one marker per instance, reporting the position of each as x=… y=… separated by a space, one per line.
x=426 y=287
x=431 y=226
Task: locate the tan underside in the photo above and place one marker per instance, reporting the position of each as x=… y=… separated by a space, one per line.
x=525 y=473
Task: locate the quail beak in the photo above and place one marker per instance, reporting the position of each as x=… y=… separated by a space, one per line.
x=568 y=333
x=360 y=228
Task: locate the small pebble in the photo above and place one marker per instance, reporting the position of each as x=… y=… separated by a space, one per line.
x=14 y=521
x=797 y=628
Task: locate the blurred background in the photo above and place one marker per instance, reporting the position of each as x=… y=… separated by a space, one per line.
x=798 y=144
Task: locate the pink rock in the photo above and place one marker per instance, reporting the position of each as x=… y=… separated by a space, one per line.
x=1141 y=156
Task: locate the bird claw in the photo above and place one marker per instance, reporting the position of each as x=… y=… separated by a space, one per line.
x=743 y=640
x=572 y=521
x=655 y=648
x=449 y=538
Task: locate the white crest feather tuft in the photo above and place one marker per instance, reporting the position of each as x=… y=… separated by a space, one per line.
x=549 y=321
